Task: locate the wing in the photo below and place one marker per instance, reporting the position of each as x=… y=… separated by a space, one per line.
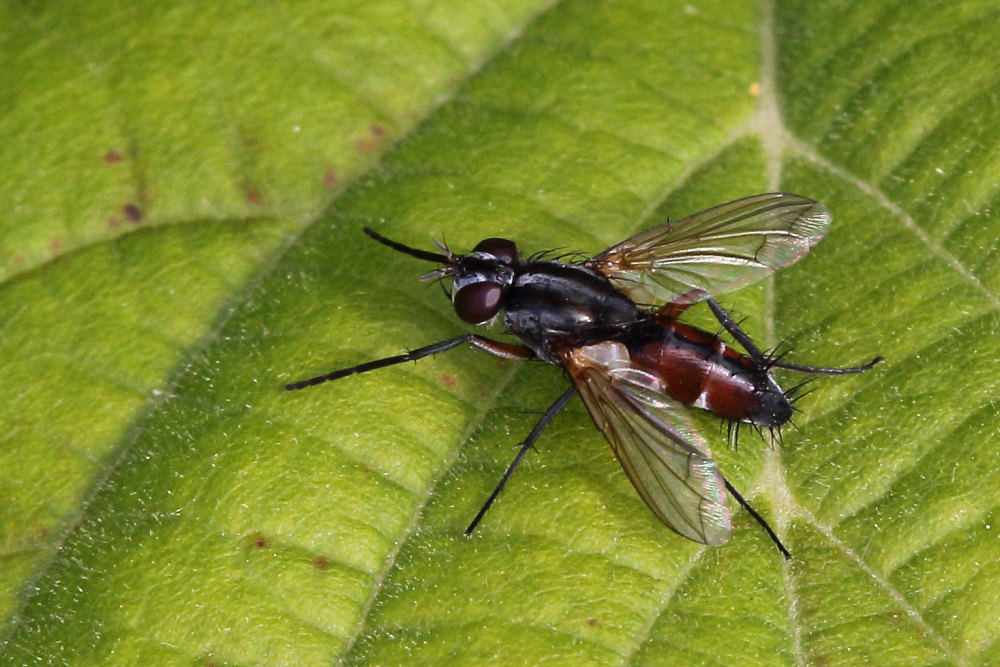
x=665 y=459
x=715 y=251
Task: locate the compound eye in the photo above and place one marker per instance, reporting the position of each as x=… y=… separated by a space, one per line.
x=499 y=248
x=479 y=302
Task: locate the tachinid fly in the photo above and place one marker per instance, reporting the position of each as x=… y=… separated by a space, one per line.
x=612 y=323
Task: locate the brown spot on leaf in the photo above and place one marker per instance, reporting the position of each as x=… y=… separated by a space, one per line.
x=259 y=541
x=330 y=178
x=593 y=622
x=55 y=245
x=112 y=157
x=132 y=212
x=253 y=196
x=321 y=563
x=114 y=222
x=448 y=380
x=379 y=132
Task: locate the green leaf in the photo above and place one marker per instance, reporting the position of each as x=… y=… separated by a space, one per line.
x=186 y=188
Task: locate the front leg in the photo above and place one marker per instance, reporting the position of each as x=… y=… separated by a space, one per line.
x=503 y=350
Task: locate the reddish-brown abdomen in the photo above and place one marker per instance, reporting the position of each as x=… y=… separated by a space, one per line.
x=697 y=369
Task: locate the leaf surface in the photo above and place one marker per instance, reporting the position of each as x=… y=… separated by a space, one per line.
x=186 y=191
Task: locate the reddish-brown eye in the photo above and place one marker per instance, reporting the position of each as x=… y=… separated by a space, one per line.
x=479 y=302
x=499 y=248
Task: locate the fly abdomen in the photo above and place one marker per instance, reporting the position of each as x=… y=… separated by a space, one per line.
x=698 y=369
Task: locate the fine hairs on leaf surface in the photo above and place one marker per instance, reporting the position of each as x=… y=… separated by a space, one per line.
x=185 y=190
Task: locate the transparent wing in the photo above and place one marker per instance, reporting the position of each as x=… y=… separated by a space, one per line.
x=665 y=459
x=715 y=251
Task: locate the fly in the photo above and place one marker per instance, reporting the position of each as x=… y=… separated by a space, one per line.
x=611 y=322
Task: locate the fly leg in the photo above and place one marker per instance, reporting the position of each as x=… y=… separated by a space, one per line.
x=504 y=350
x=528 y=443
x=730 y=325
x=759 y=519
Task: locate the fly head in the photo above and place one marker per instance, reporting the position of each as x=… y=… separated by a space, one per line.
x=481 y=278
